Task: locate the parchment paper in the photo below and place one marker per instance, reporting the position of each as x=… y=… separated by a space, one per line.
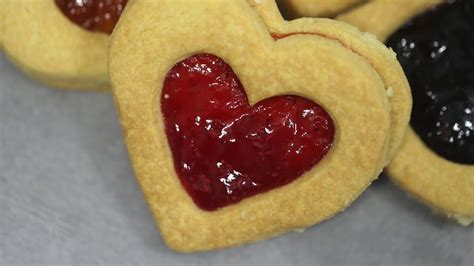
x=68 y=196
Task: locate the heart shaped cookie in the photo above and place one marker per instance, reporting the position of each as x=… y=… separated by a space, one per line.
x=62 y=43
x=435 y=163
x=255 y=127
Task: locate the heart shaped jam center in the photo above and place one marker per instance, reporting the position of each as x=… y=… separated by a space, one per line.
x=93 y=15
x=225 y=150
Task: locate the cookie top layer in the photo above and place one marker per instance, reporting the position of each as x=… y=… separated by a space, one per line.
x=306 y=63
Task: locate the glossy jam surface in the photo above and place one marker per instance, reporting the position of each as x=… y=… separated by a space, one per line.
x=93 y=15
x=225 y=150
x=436 y=50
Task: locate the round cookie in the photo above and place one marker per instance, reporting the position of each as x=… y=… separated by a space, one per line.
x=443 y=184
x=50 y=48
x=322 y=61
x=315 y=8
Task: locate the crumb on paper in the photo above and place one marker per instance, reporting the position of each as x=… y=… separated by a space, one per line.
x=299 y=230
x=463 y=220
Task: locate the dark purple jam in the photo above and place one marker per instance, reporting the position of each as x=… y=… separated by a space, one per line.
x=436 y=50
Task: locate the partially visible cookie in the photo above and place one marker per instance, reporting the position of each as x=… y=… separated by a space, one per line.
x=445 y=186
x=436 y=162
x=315 y=8
x=52 y=48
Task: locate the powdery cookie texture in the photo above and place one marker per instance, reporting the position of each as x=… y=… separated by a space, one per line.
x=48 y=47
x=380 y=18
x=445 y=186
x=326 y=61
x=316 y=8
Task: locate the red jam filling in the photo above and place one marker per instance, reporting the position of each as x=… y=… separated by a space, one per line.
x=225 y=150
x=93 y=15
x=277 y=36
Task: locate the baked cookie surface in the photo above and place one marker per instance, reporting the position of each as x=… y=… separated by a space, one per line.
x=316 y=8
x=3 y=11
x=51 y=48
x=435 y=164
x=271 y=58
x=376 y=16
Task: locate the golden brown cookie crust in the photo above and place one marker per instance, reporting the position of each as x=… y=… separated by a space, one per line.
x=141 y=55
x=381 y=59
x=383 y=17
x=316 y=8
x=446 y=186
x=3 y=11
x=48 y=47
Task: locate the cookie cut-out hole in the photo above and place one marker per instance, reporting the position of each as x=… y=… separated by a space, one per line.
x=225 y=150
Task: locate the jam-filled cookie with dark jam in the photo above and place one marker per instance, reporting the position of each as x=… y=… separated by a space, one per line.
x=62 y=43
x=316 y=8
x=434 y=42
x=251 y=129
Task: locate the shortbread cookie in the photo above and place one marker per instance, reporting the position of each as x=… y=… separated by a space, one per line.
x=316 y=8
x=252 y=128
x=435 y=164
x=58 y=50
